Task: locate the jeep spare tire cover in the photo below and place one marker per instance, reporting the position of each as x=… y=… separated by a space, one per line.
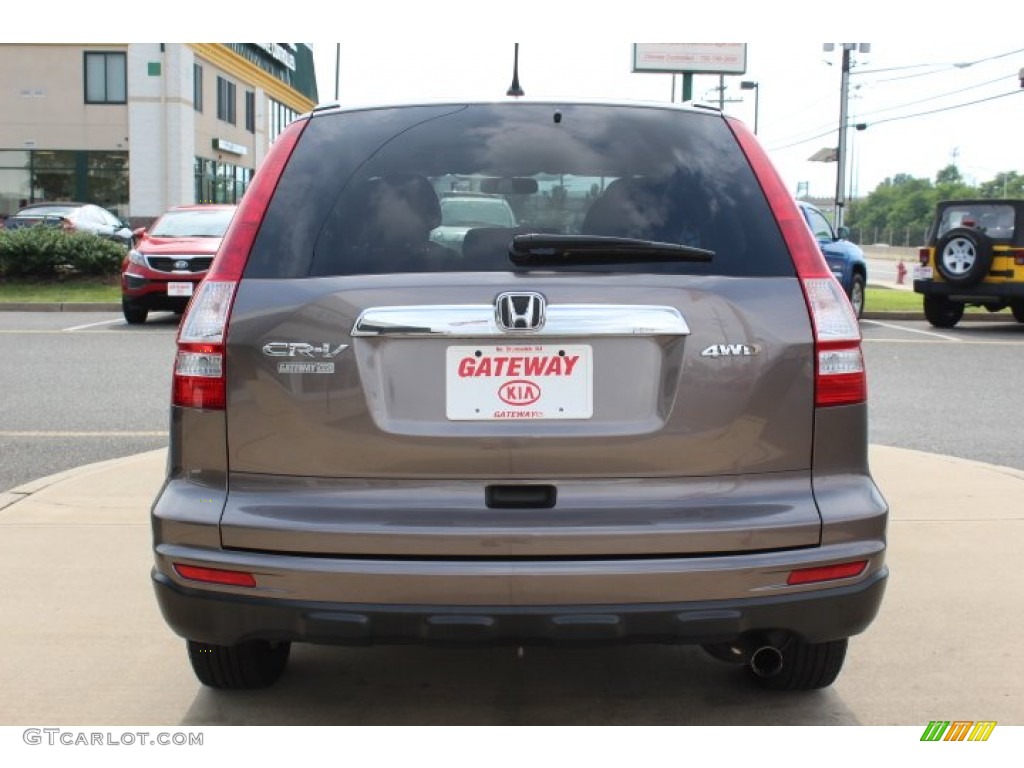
x=963 y=256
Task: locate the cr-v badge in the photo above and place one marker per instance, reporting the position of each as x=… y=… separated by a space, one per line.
x=312 y=354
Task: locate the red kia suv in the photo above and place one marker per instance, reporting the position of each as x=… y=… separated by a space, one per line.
x=169 y=259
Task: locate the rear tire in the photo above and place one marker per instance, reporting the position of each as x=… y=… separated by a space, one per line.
x=857 y=295
x=248 y=665
x=806 y=666
x=134 y=315
x=941 y=312
x=1018 y=311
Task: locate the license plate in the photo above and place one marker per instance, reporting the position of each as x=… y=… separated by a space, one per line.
x=519 y=382
x=922 y=273
x=179 y=289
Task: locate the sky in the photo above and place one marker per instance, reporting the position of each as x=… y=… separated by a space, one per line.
x=400 y=50
x=798 y=96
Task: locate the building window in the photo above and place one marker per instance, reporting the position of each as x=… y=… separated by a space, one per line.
x=278 y=118
x=197 y=87
x=220 y=182
x=106 y=79
x=250 y=112
x=49 y=174
x=226 y=101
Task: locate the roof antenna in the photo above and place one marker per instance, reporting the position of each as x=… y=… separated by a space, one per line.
x=514 y=89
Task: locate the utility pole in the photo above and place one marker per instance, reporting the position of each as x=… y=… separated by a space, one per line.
x=844 y=95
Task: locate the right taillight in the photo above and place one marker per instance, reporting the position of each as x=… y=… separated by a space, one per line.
x=924 y=256
x=839 y=375
x=200 y=368
x=840 y=378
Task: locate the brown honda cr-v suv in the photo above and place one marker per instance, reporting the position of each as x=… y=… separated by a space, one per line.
x=638 y=414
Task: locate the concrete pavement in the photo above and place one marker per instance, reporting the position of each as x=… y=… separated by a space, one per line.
x=83 y=641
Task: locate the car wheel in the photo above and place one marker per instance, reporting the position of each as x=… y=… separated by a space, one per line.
x=857 y=295
x=941 y=312
x=805 y=666
x=963 y=256
x=134 y=314
x=1018 y=311
x=252 y=664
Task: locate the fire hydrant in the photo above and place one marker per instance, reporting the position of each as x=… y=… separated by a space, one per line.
x=901 y=272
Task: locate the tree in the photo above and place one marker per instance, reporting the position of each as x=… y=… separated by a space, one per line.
x=900 y=209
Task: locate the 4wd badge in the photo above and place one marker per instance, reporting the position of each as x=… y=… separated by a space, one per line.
x=731 y=350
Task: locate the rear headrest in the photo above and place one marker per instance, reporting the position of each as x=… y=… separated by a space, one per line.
x=401 y=195
x=627 y=208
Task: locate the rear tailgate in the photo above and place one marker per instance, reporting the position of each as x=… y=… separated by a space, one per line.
x=678 y=422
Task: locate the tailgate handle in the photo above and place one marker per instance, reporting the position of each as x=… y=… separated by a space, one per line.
x=520 y=496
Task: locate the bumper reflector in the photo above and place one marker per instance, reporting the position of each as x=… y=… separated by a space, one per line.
x=827 y=573
x=215 y=575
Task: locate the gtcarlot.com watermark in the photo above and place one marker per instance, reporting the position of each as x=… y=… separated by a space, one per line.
x=56 y=737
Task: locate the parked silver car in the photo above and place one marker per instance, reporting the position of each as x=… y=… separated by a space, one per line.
x=639 y=417
x=73 y=217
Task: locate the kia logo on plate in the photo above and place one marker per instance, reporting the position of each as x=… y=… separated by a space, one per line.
x=519 y=392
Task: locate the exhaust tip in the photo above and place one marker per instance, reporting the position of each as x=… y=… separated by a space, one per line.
x=766 y=661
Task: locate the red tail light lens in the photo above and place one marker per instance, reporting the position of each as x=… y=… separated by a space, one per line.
x=924 y=256
x=840 y=378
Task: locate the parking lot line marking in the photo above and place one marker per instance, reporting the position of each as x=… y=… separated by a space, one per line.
x=103 y=433
x=93 y=325
x=913 y=330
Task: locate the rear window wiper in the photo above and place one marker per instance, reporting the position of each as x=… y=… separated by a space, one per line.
x=594 y=249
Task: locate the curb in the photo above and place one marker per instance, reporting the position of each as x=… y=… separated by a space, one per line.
x=25 y=490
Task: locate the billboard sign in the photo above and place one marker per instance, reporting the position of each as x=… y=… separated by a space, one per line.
x=702 y=58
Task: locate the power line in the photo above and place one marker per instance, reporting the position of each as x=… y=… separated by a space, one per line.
x=941 y=95
x=944 y=67
x=946 y=109
x=947 y=67
x=902 y=117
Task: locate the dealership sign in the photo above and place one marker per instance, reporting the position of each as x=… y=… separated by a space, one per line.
x=685 y=58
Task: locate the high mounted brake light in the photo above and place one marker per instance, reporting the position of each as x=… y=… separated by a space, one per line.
x=200 y=375
x=840 y=377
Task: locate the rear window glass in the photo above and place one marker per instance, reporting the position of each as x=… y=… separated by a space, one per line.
x=193 y=223
x=445 y=188
x=994 y=219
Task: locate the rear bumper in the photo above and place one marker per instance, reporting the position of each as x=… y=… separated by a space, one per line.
x=978 y=292
x=225 y=619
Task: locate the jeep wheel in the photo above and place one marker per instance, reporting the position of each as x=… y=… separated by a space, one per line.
x=857 y=295
x=941 y=312
x=134 y=315
x=963 y=256
x=253 y=664
x=1018 y=311
x=806 y=666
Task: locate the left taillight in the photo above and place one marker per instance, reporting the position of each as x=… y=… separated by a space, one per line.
x=200 y=368
x=199 y=380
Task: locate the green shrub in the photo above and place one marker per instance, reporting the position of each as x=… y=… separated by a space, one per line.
x=45 y=251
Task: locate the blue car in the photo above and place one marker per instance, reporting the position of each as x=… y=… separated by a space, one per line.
x=845 y=259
